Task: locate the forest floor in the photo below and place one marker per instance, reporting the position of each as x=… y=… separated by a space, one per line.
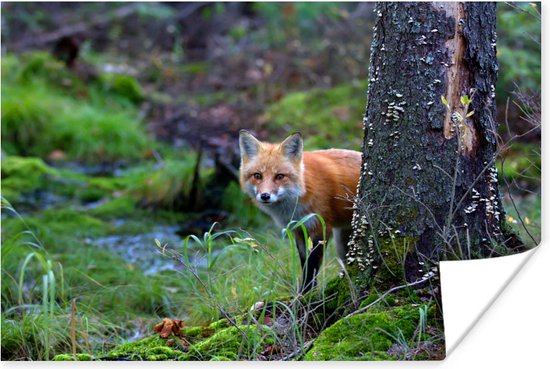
x=120 y=206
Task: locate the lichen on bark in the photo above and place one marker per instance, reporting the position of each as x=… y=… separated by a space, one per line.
x=426 y=186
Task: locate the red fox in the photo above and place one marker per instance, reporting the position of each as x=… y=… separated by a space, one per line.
x=288 y=184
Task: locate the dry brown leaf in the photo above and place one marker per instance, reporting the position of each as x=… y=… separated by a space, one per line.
x=168 y=327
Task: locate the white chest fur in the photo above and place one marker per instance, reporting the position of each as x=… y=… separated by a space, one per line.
x=283 y=212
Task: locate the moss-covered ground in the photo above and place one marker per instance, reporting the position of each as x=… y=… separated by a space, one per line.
x=370 y=335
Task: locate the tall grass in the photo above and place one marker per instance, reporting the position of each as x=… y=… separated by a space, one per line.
x=169 y=185
x=36 y=298
x=37 y=290
x=248 y=276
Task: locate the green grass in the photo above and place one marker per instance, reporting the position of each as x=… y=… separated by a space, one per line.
x=520 y=168
x=46 y=107
x=169 y=185
x=115 y=296
x=521 y=164
x=46 y=262
x=50 y=260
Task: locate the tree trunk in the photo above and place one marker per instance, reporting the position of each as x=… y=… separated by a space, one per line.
x=428 y=189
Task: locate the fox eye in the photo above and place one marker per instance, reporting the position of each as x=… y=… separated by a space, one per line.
x=257 y=176
x=279 y=176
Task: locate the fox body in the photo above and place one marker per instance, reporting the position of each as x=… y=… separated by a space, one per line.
x=288 y=184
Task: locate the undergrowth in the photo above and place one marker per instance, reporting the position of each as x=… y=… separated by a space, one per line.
x=327 y=118
x=47 y=107
x=63 y=293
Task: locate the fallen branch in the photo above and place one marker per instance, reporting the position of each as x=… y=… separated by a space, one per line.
x=97 y=21
x=78 y=28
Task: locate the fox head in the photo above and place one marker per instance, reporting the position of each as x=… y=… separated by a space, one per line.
x=272 y=173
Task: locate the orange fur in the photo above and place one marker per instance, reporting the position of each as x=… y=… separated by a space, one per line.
x=287 y=184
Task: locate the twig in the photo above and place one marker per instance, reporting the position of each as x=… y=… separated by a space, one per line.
x=517 y=211
x=535 y=15
x=420 y=281
x=302 y=350
x=73 y=330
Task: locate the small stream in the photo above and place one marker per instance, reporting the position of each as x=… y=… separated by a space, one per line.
x=141 y=250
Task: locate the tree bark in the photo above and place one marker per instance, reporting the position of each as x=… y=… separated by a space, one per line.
x=428 y=189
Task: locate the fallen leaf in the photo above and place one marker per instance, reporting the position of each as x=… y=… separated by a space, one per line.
x=272 y=350
x=168 y=327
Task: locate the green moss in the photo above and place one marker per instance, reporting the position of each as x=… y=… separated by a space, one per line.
x=124 y=85
x=336 y=293
x=46 y=107
x=24 y=119
x=43 y=66
x=63 y=357
x=169 y=186
x=84 y=357
x=364 y=336
x=116 y=208
x=149 y=349
x=55 y=224
x=390 y=270
x=225 y=344
x=195 y=331
x=522 y=163
x=381 y=305
x=70 y=357
x=22 y=175
x=325 y=116
x=27 y=175
x=73 y=222
x=111 y=184
x=83 y=131
x=219 y=324
x=90 y=194
x=205 y=331
x=244 y=342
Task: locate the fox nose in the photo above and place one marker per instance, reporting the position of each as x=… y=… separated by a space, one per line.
x=265 y=196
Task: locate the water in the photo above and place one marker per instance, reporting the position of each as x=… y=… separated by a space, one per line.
x=141 y=251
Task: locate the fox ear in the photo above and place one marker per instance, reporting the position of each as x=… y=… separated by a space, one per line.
x=248 y=144
x=293 y=146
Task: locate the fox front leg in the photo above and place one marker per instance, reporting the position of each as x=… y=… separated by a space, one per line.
x=311 y=259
